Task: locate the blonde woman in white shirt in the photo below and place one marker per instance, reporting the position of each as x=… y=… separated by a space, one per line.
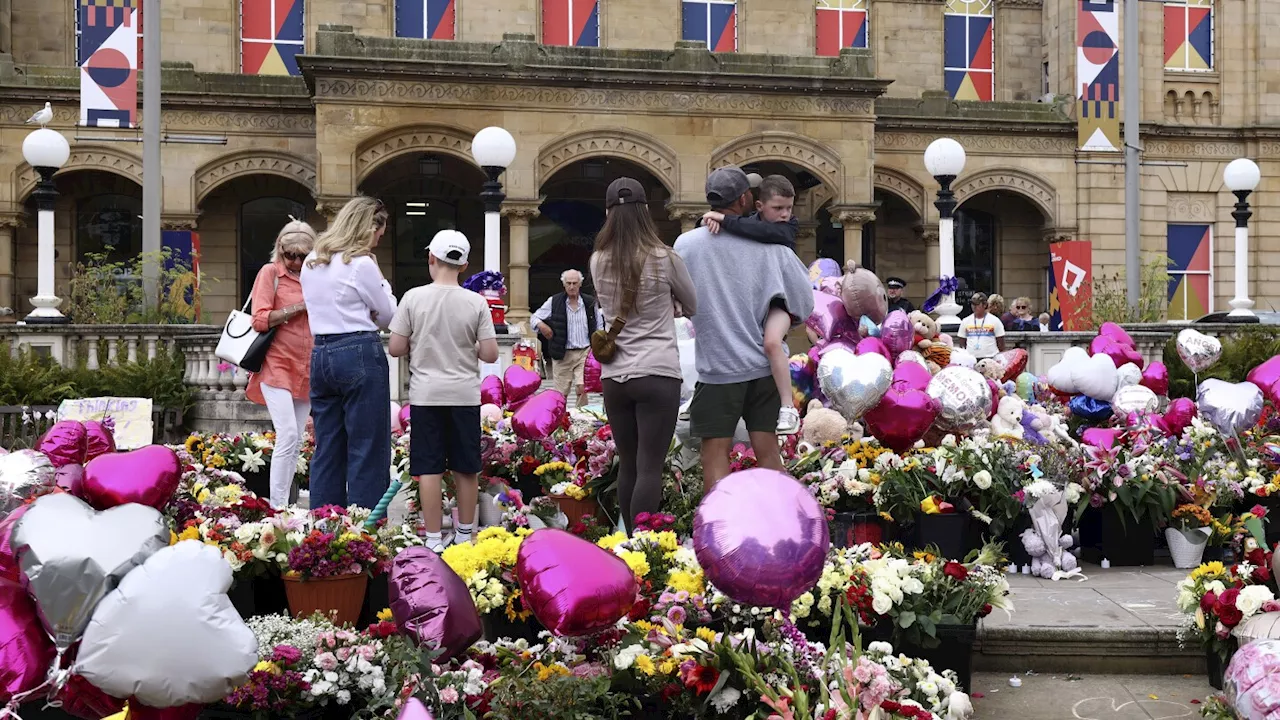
x=348 y=301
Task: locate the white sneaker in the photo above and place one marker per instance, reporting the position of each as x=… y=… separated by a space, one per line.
x=436 y=545
x=684 y=410
x=788 y=421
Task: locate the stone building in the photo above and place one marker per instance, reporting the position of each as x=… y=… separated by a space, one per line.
x=842 y=96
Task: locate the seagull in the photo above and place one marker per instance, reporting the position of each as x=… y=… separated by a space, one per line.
x=42 y=116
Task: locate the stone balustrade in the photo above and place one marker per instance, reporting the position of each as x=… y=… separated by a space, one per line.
x=96 y=346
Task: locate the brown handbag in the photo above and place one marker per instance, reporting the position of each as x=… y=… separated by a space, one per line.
x=604 y=343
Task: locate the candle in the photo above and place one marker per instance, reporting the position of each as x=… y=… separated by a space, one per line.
x=1015 y=681
x=1106 y=564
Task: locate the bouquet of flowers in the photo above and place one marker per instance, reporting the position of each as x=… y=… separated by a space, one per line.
x=244 y=452
x=839 y=482
x=334 y=546
x=558 y=478
x=1134 y=477
x=815 y=610
x=659 y=562
x=1215 y=598
x=487 y=565
x=276 y=687
x=345 y=662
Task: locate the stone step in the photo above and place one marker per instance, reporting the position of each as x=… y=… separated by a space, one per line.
x=1085 y=650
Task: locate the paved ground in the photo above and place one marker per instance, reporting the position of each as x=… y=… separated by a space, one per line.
x=1116 y=599
x=1089 y=697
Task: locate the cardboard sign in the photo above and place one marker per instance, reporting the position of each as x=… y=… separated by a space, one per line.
x=132 y=417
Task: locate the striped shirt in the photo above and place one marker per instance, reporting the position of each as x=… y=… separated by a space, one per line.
x=578 y=337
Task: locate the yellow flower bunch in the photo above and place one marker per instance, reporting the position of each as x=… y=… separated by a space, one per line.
x=191 y=533
x=635 y=560
x=864 y=453
x=575 y=492
x=384 y=615
x=553 y=467
x=265 y=666
x=1209 y=568
x=482 y=562
x=609 y=542
x=645 y=664
x=690 y=582
x=546 y=672
x=706 y=635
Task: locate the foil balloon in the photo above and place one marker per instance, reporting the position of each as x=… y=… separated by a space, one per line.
x=572 y=586
x=963 y=396
x=1091 y=409
x=1120 y=354
x=868 y=328
x=996 y=394
x=431 y=604
x=904 y=414
x=406 y=415
x=1156 y=377
x=1134 y=399
x=9 y=568
x=24 y=475
x=65 y=443
x=1012 y=363
x=26 y=652
x=396 y=427
x=1096 y=377
x=761 y=538
x=863 y=294
x=1060 y=376
x=492 y=392
x=896 y=332
x=81 y=699
x=591 y=375
x=873 y=345
x=1027 y=386
x=205 y=651
x=1198 y=351
x=963 y=358
x=853 y=384
x=1178 y=416
x=802 y=371
x=71 y=479
x=100 y=439
x=414 y=710
x=912 y=375
x=539 y=416
x=147 y=476
x=1104 y=438
x=1231 y=407
x=830 y=286
x=1128 y=374
x=72 y=556
x=490 y=415
x=1116 y=333
x=829 y=319
x=1265 y=376
x=845 y=344
x=823 y=268
x=519 y=385
x=913 y=357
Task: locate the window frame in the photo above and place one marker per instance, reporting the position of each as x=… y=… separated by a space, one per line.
x=862 y=6
x=1186 y=6
x=240 y=31
x=707 y=39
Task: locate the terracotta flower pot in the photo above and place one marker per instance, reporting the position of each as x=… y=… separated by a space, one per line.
x=576 y=510
x=339 y=598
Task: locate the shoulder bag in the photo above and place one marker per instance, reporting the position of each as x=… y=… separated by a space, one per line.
x=240 y=344
x=604 y=344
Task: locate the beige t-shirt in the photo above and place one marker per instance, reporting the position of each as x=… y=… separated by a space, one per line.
x=443 y=324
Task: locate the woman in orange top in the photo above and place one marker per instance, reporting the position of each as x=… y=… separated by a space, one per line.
x=284 y=384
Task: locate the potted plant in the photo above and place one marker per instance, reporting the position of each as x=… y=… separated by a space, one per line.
x=843 y=480
x=1188 y=535
x=561 y=483
x=1135 y=487
x=328 y=569
x=1217 y=599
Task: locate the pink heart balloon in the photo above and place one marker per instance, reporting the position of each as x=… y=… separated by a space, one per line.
x=414 y=710
x=572 y=586
x=1117 y=333
x=1104 y=438
x=1117 y=351
x=896 y=332
x=64 y=443
x=873 y=345
x=996 y=394
x=99 y=440
x=71 y=479
x=1012 y=362
x=26 y=651
x=1156 y=378
x=147 y=476
x=519 y=385
x=591 y=370
x=911 y=375
x=829 y=318
x=9 y=567
x=431 y=604
x=405 y=413
x=1265 y=376
x=491 y=391
x=904 y=414
x=1178 y=415
x=842 y=344
x=539 y=416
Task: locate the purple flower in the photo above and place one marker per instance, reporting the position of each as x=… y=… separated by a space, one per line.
x=287 y=654
x=676 y=614
x=1095 y=500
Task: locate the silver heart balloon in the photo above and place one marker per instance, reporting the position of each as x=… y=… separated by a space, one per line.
x=965 y=398
x=1231 y=407
x=852 y=383
x=73 y=555
x=1129 y=374
x=23 y=474
x=1134 y=398
x=1198 y=351
x=912 y=356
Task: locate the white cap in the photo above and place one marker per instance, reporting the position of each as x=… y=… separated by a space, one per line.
x=450 y=246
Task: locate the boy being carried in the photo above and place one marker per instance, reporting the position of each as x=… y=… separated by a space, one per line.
x=446 y=331
x=773 y=224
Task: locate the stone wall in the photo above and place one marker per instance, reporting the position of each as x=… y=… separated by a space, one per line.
x=205 y=33
x=777 y=27
x=487 y=20
x=627 y=24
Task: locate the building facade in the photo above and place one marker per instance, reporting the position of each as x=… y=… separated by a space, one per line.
x=305 y=103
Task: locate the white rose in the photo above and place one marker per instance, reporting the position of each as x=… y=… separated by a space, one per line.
x=1074 y=491
x=982 y=479
x=1251 y=598
x=881 y=604
x=959 y=707
x=1216 y=587
x=880 y=647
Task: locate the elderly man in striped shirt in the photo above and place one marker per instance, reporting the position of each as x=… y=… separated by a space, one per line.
x=566 y=321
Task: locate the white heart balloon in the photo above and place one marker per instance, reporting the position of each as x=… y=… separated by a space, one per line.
x=1096 y=377
x=1199 y=351
x=852 y=383
x=1128 y=374
x=169 y=635
x=1134 y=398
x=1059 y=376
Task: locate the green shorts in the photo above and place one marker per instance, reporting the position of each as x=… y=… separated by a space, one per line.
x=716 y=409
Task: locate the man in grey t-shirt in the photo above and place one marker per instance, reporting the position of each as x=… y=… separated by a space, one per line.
x=737 y=280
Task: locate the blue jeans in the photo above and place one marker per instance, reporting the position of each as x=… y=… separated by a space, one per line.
x=351 y=409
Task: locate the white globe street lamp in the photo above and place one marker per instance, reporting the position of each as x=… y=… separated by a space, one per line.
x=46 y=151
x=493 y=149
x=944 y=159
x=1241 y=177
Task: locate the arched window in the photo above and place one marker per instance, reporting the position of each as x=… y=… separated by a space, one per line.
x=260 y=222
x=975 y=254
x=110 y=226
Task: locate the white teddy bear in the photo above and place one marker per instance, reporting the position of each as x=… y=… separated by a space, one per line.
x=1008 y=418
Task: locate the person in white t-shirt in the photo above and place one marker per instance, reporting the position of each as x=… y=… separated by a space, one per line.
x=982 y=334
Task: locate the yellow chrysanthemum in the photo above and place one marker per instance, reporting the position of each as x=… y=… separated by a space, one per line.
x=265 y=666
x=638 y=563
x=191 y=533
x=668 y=666
x=546 y=672
x=644 y=664
x=609 y=542
x=202 y=496
x=667 y=541
x=384 y=615
x=173 y=538
x=690 y=582
x=706 y=635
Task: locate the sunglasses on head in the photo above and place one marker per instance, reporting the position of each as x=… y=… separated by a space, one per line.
x=296 y=256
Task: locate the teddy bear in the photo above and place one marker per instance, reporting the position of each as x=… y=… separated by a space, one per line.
x=1007 y=421
x=925 y=339
x=1042 y=557
x=1051 y=427
x=990 y=369
x=823 y=425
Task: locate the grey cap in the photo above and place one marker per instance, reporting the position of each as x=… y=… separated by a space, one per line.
x=726 y=184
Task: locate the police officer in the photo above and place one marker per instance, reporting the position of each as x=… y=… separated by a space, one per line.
x=894 y=287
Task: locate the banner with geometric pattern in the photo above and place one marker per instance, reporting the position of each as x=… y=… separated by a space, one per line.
x=108 y=60
x=573 y=23
x=841 y=24
x=1188 y=35
x=271 y=36
x=714 y=22
x=1098 y=76
x=1190 y=271
x=968 y=49
x=425 y=19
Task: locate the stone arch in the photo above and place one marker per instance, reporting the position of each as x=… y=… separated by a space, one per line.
x=83 y=157
x=414 y=139
x=641 y=149
x=788 y=147
x=251 y=162
x=904 y=186
x=1036 y=189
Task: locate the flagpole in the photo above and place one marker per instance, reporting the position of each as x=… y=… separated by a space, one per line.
x=1132 y=91
x=152 y=177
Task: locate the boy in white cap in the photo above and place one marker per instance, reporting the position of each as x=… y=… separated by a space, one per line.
x=447 y=331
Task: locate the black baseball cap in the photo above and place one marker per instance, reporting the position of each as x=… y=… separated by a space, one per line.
x=622 y=191
x=896 y=283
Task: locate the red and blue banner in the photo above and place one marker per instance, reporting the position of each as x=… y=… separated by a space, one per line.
x=968 y=49
x=571 y=22
x=714 y=22
x=426 y=19
x=183 y=248
x=1189 y=249
x=1188 y=35
x=271 y=36
x=108 y=57
x=1098 y=76
x=1071 y=285
x=841 y=24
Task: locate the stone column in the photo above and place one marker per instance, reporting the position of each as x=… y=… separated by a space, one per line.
x=687 y=213
x=807 y=242
x=518 y=214
x=932 y=259
x=852 y=218
x=9 y=223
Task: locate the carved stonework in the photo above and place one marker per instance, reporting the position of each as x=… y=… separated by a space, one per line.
x=1200 y=149
x=1193 y=207
x=929 y=235
x=521 y=210
x=329 y=205
x=67 y=115
x=253 y=162
x=788 y=147
x=180 y=221
x=1020 y=3
x=9 y=221
x=636 y=147
x=508 y=96
x=397 y=142
x=978 y=144
x=1057 y=235
x=903 y=185
x=686 y=213
x=1022 y=183
x=853 y=216
x=82 y=158
x=1269 y=149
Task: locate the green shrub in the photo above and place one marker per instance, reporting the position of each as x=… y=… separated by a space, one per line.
x=31 y=379
x=1241 y=352
x=106 y=293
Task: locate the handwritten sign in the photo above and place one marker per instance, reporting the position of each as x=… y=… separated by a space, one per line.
x=132 y=417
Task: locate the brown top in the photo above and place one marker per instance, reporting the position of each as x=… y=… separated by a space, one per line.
x=647 y=344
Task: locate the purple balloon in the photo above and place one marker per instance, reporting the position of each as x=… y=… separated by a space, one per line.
x=896 y=332
x=64 y=443
x=71 y=479
x=26 y=651
x=415 y=710
x=824 y=268
x=829 y=318
x=1104 y=438
x=761 y=538
x=431 y=604
x=873 y=345
x=573 y=586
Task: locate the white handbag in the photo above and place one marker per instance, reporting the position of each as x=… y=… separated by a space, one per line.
x=240 y=344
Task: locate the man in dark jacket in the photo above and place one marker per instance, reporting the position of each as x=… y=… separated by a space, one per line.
x=566 y=321
x=894 y=287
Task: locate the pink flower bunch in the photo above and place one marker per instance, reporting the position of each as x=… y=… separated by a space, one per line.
x=870 y=682
x=655 y=522
x=322 y=554
x=280 y=690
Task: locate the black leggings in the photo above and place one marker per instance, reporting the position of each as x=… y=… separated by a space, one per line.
x=642 y=412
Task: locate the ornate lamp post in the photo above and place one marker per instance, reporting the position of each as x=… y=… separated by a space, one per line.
x=944 y=159
x=46 y=151
x=1241 y=177
x=494 y=149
